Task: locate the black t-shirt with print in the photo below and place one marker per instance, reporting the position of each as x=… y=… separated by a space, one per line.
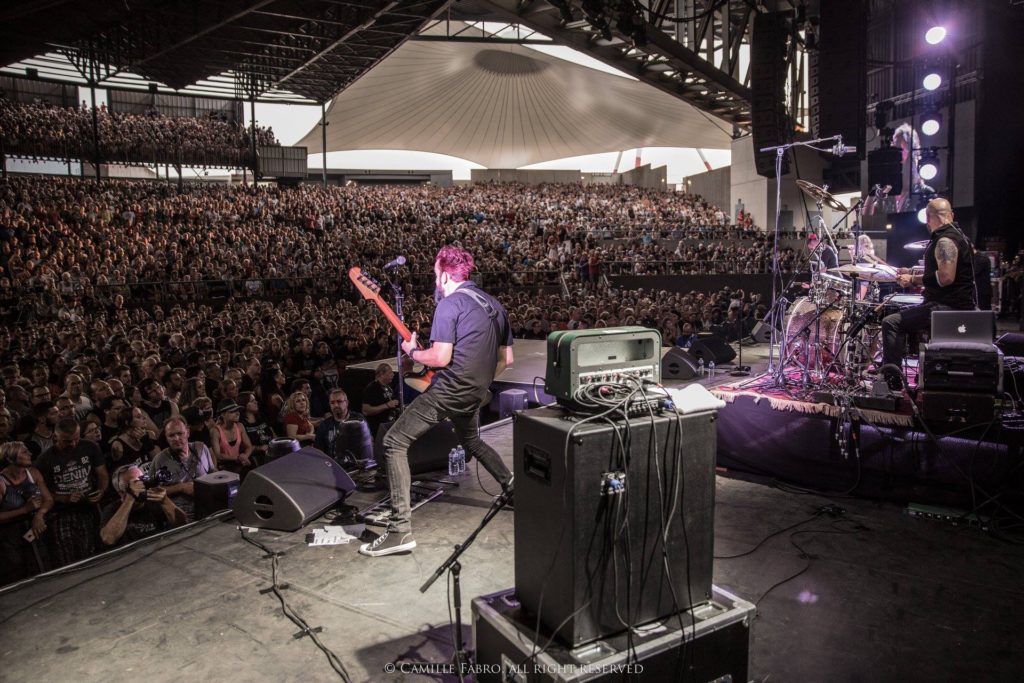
x=68 y=472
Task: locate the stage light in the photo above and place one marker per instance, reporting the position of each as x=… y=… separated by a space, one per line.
x=931 y=123
x=922 y=215
x=932 y=81
x=935 y=35
x=928 y=167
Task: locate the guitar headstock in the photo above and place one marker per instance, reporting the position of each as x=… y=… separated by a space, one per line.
x=367 y=286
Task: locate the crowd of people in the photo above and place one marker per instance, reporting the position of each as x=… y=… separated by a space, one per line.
x=110 y=410
x=73 y=236
x=38 y=129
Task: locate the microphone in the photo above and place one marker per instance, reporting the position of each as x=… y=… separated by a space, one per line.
x=839 y=149
x=395 y=262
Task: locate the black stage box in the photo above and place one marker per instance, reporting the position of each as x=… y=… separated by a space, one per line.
x=953 y=406
x=568 y=512
x=959 y=366
x=713 y=645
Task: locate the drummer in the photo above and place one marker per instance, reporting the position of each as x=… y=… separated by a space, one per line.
x=863 y=251
x=824 y=258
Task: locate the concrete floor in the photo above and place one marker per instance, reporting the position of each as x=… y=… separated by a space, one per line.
x=899 y=599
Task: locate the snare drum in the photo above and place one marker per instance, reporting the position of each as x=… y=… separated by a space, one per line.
x=832 y=290
x=894 y=303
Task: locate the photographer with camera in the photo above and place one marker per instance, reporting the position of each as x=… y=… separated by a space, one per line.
x=24 y=502
x=144 y=508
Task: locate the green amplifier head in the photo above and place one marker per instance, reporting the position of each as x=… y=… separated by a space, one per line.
x=602 y=355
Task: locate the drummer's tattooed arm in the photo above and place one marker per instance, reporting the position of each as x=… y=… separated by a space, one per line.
x=946 y=255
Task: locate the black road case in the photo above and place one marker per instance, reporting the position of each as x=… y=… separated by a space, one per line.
x=714 y=645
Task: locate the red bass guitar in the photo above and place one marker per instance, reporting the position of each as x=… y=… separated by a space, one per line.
x=370 y=289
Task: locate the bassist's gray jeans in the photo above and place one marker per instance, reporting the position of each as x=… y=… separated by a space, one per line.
x=423 y=413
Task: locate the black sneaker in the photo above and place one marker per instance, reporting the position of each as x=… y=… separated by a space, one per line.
x=390 y=542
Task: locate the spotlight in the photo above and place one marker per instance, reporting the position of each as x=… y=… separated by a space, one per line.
x=935 y=35
x=922 y=215
x=931 y=124
x=929 y=165
x=932 y=81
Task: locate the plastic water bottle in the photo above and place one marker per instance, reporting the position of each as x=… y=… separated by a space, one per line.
x=711 y=368
x=453 y=462
x=462 y=460
x=700 y=366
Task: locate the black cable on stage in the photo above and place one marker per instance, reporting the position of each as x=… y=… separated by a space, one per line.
x=676 y=496
x=294 y=616
x=818 y=513
x=578 y=395
x=807 y=557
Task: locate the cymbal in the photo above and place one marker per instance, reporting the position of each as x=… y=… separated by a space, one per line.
x=865 y=272
x=917 y=246
x=820 y=194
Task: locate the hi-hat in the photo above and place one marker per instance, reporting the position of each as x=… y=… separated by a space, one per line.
x=917 y=246
x=820 y=195
x=862 y=271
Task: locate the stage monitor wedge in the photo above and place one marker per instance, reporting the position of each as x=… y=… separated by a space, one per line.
x=289 y=492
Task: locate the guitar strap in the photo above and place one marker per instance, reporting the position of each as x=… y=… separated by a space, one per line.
x=482 y=301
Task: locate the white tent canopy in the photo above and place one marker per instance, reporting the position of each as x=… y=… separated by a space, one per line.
x=505 y=107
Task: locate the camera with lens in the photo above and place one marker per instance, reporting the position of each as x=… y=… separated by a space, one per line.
x=160 y=477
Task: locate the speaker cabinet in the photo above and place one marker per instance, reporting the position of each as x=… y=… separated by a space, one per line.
x=713 y=350
x=571 y=543
x=839 y=74
x=885 y=167
x=678 y=364
x=762 y=333
x=214 y=492
x=769 y=121
x=286 y=493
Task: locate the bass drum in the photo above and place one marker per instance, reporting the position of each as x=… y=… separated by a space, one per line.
x=799 y=328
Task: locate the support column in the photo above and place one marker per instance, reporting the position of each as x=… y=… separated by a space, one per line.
x=323 y=139
x=255 y=159
x=95 y=128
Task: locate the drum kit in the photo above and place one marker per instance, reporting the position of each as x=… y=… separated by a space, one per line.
x=833 y=332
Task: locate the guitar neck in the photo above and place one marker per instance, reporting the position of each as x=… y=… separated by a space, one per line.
x=393 y=319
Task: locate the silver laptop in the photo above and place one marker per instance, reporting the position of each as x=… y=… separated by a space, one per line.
x=962 y=326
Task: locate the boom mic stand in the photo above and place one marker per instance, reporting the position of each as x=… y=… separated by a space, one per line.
x=452 y=564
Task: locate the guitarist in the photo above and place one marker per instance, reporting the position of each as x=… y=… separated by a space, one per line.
x=472 y=342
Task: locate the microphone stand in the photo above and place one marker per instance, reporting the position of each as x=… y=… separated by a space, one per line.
x=452 y=564
x=740 y=370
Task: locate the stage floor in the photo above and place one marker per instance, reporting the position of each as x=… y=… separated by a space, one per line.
x=885 y=597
